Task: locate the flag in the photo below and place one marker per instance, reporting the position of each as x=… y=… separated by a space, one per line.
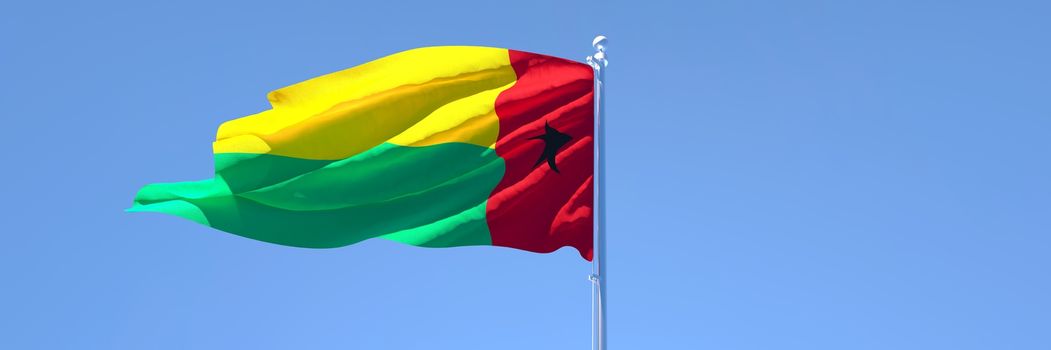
x=434 y=147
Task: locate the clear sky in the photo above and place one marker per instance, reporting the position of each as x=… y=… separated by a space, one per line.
x=813 y=175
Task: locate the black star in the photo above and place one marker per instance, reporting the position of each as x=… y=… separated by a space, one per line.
x=553 y=140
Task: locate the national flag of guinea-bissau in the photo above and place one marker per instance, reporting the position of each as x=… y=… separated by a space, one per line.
x=434 y=147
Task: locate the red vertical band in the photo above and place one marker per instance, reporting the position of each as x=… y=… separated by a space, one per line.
x=535 y=208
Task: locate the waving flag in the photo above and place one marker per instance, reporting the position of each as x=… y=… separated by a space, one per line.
x=434 y=147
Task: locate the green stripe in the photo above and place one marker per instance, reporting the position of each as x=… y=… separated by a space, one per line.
x=431 y=196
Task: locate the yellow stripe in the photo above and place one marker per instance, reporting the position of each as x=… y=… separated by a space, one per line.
x=414 y=98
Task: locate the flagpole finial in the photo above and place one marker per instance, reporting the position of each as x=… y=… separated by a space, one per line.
x=600 y=43
x=598 y=60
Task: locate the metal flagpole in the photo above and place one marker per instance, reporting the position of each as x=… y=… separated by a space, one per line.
x=599 y=270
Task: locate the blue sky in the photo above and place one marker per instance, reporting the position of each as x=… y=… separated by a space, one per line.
x=804 y=175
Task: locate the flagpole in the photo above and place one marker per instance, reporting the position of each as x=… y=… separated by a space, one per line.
x=599 y=270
